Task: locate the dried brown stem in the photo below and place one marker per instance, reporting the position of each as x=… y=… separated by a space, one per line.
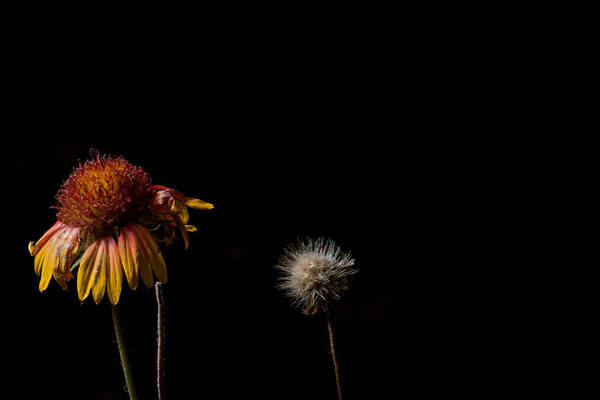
x=160 y=353
x=334 y=357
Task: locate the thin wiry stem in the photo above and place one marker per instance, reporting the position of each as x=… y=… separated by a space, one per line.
x=160 y=353
x=123 y=353
x=334 y=357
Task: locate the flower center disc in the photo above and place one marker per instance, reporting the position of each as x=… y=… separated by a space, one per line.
x=104 y=193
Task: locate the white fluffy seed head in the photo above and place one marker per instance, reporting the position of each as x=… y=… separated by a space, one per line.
x=314 y=272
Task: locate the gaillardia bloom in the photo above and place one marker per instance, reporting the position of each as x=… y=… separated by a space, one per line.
x=110 y=217
x=314 y=272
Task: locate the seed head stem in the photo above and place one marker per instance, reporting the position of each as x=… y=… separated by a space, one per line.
x=333 y=356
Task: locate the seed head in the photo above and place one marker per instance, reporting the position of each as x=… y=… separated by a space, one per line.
x=314 y=272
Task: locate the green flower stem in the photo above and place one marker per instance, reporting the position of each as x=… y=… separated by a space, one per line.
x=123 y=352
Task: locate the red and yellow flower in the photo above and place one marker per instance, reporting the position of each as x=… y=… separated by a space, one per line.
x=110 y=217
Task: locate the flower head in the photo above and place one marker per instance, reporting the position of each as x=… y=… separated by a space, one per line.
x=314 y=272
x=107 y=209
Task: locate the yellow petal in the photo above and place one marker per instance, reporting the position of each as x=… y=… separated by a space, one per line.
x=183 y=231
x=115 y=272
x=198 y=204
x=152 y=254
x=191 y=228
x=67 y=249
x=39 y=261
x=33 y=250
x=49 y=262
x=127 y=245
x=143 y=252
x=101 y=271
x=160 y=268
x=62 y=278
x=85 y=275
x=184 y=214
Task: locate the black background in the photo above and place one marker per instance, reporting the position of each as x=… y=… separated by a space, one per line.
x=401 y=139
x=285 y=142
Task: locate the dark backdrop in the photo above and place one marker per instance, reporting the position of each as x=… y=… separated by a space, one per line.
x=282 y=152
x=396 y=137
x=338 y=126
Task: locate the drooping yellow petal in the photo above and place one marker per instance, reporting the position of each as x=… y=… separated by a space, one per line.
x=178 y=207
x=198 y=204
x=139 y=263
x=184 y=213
x=85 y=275
x=191 y=228
x=39 y=261
x=160 y=268
x=115 y=272
x=62 y=277
x=182 y=229
x=67 y=249
x=153 y=255
x=50 y=262
x=54 y=253
x=127 y=246
x=100 y=270
x=145 y=269
x=34 y=249
x=42 y=251
x=41 y=266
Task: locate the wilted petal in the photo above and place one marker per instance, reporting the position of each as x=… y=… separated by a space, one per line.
x=198 y=204
x=34 y=249
x=152 y=254
x=143 y=253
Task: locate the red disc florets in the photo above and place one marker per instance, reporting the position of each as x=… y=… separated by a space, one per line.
x=104 y=193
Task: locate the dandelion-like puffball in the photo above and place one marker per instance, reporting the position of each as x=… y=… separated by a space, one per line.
x=314 y=273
